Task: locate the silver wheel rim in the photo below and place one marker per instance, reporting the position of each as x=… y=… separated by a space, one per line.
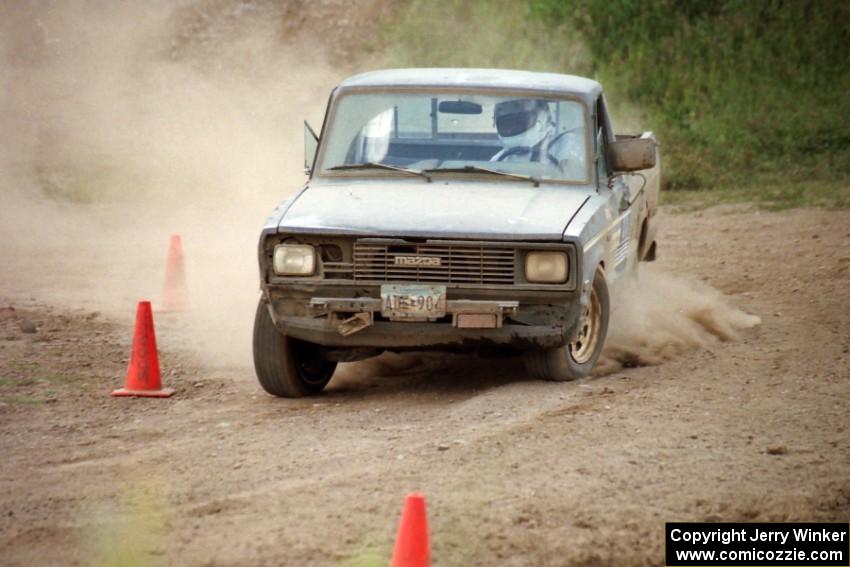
x=584 y=344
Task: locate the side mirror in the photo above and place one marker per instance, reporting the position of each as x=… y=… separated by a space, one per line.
x=632 y=154
x=311 y=142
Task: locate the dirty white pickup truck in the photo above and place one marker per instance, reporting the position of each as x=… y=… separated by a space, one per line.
x=454 y=209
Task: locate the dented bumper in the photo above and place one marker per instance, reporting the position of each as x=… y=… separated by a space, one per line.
x=531 y=320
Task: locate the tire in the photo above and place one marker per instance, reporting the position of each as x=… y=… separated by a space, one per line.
x=287 y=367
x=577 y=358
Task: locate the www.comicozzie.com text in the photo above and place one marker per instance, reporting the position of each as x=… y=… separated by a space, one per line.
x=726 y=536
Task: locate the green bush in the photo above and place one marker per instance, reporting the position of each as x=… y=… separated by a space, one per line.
x=740 y=92
x=481 y=33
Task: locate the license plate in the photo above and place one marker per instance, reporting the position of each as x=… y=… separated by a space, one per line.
x=419 y=302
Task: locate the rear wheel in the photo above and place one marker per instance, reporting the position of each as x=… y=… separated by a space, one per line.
x=577 y=359
x=285 y=366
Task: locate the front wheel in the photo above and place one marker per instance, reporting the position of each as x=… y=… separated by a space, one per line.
x=285 y=366
x=577 y=359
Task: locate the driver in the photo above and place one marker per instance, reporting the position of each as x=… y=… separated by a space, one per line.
x=528 y=133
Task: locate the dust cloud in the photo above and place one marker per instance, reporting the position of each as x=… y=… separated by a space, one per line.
x=125 y=123
x=655 y=318
x=388 y=365
x=658 y=316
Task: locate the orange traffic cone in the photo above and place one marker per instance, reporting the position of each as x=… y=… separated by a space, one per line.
x=175 y=295
x=412 y=548
x=143 y=373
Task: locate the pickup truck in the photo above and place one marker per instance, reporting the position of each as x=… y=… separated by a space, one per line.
x=471 y=210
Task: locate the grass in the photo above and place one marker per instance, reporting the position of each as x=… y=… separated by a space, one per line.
x=23 y=365
x=493 y=33
x=26 y=373
x=368 y=557
x=61 y=378
x=132 y=529
x=735 y=89
x=16 y=382
x=773 y=197
x=65 y=183
x=86 y=180
x=748 y=102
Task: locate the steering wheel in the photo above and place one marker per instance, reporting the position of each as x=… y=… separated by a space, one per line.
x=524 y=150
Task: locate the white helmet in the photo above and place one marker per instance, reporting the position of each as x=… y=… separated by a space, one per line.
x=522 y=122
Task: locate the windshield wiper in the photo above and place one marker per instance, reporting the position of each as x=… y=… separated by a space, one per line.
x=478 y=169
x=376 y=165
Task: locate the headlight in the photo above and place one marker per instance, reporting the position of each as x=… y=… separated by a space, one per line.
x=294 y=260
x=546 y=267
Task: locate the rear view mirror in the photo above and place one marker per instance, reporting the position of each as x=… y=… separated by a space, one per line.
x=311 y=142
x=460 y=107
x=632 y=154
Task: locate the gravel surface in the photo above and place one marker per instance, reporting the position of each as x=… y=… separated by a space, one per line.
x=516 y=472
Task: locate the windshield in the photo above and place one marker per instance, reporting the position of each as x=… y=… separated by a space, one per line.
x=458 y=131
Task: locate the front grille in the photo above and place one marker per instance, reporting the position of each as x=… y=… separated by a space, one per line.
x=459 y=263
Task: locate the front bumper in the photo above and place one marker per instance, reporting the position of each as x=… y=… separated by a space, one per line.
x=526 y=321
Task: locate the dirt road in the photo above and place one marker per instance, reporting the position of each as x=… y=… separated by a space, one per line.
x=516 y=472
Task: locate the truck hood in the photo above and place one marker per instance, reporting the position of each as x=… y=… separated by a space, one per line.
x=502 y=211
